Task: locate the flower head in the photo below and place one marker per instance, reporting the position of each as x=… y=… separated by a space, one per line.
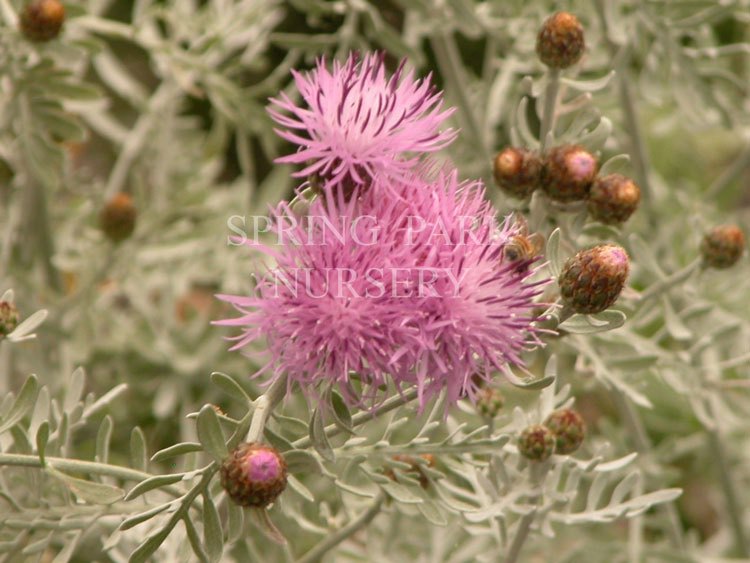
x=356 y=123
x=413 y=288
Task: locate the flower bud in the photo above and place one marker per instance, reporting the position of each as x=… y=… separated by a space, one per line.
x=8 y=318
x=560 y=42
x=568 y=173
x=722 y=246
x=254 y=474
x=42 y=20
x=613 y=199
x=517 y=171
x=536 y=443
x=591 y=281
x=117 y=218
x=568 y=428
x=489 y=402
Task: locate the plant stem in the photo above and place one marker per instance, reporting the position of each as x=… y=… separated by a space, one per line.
x=537 y=473
x=642 y=444
x=316 y=553
x=630 y=114
x=550 y=104
x=730 y=493
x=730 y=174
x=448 y=60
x=264 y=405
x=75 y=466
x=667 y=283
x=362 y=417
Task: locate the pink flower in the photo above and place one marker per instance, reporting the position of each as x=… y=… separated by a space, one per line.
x=476 y=317
x=356 y=124
x=411 y=285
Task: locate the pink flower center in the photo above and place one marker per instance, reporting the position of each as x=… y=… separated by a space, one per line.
x=262 y=466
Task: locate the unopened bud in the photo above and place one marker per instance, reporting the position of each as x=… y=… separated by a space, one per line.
x=254 y=474
x=517 y=171
x=489 y=402
x=568 y=173
x=613 y=199
x=723 y=246
x=42 y=20
x=568 y=428
x=536 y=443
x=8 y=318
x=591 y=281
x=117 y=218
x=560 y=42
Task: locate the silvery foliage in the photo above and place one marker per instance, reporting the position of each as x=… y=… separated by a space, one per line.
x=118 y=462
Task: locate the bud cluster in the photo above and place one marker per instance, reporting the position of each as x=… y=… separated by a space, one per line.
x=566 y=173
x=562 y=433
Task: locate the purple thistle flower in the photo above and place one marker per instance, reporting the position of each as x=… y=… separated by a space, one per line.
x=476 y=317
x=356 y=124
x=411 y=286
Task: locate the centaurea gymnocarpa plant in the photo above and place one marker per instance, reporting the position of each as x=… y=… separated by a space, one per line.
x=565 y=347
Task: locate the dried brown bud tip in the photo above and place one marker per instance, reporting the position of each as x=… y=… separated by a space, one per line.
x=42 y=20
x=613 y=199
x=117 y=218
x=568 y=173
x=723 y=246
x=560 y=42
x=517 y=171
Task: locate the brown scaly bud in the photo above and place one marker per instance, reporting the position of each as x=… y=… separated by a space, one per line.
x=568 y=428
x=254 y=474
x=591 y=281
x=489 y=402
x=722 y=246
x=560 y=42
x=568 y=173
x=117 y=218
x=416 y=466
x=8 y=318
x=517 y=171
x=613 y=199
x=536 y=443
x=42 y=20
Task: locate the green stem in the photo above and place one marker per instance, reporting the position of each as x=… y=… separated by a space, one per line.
x=537 y=474
x=362 y=417
x=263 y=406
x=655 y=290
x=316 y=553
x=630 y=114
x=75 y=466
x=741 y=163
x=637 y=432
x=448 y=60
x=550 y=104
x=734 y=507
